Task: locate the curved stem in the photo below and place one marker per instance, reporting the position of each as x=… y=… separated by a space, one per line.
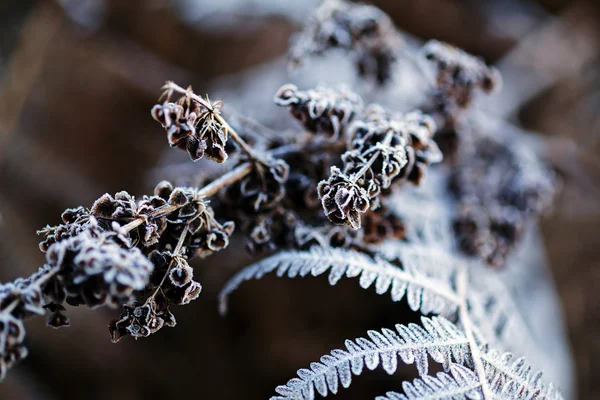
x=225 y=180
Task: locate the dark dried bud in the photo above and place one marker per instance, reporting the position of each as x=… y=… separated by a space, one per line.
x=57 y=319
x=163 y=190
x=343 y=199
x=185 y=294
x=273 y=230
x=181 y=275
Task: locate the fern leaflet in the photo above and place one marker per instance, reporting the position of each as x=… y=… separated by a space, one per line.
x=423 y=293
x=460 y=384
x=438 y=338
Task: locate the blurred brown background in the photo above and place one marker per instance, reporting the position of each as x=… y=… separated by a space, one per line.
x=77 y=81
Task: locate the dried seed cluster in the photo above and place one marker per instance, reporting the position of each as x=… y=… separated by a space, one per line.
x=499 y=189
x=96 y=269
x=458 y=75
x=364 y=31
x=382 y=148
x=18 y=299
x=193 y=126
x=324 y=111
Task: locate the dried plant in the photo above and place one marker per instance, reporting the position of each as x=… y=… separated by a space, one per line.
x=332 y=200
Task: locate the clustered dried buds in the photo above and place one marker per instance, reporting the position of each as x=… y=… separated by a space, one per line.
x=192 y=125
x=97 y=269
x=364 y=31
x=411 y=132
x=499 y=188
x=140 y=321
x=74 y=221
x=205 y=234
x=382 y=148
x=458 y=75
x=18 y=299
x=123 y=208
x=324 y=111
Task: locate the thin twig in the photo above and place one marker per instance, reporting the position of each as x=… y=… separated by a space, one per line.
x=225 y=180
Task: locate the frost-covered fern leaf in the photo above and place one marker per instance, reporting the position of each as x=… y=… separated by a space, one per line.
x=460 y=384
x=496 y=317
x=437 y=338
x=424 y=294
x=512 y=378
x=505 y=377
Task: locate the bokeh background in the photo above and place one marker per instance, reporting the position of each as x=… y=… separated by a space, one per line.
x=77 y=81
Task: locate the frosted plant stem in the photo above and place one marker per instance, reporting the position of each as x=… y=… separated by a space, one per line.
x=465 y=319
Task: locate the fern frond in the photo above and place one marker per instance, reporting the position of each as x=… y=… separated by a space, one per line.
x=438 y=338
x=460 y=384
x=423 y=293
x=503 y=377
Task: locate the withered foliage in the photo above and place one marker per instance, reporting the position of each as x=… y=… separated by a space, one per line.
x=329 y=188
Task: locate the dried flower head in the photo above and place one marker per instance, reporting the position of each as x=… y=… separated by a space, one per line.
x=74 y=221
x=324 y=111
x=123 y=208
x=343 y=199
x=458 y=75
x=193 y=124
x=140 y=321
x=382 y=148
x=364 y=31
x=96 y=269
x=412 y=132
